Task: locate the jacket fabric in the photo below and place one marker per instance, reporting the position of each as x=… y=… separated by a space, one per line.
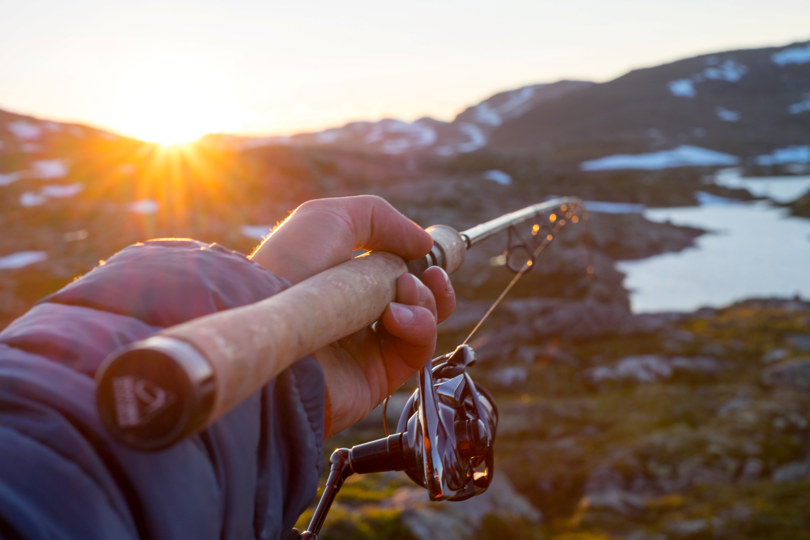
x=249 y=475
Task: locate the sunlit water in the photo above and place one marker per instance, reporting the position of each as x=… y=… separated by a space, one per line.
x=752 y=250
x=782 y=189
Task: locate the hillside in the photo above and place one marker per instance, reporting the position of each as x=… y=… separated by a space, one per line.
x=747 y=103
x=613 y=424
x=752 y=105
x=468 y=132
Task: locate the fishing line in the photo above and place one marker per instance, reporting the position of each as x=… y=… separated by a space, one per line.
x=558 y=223
x=568 y=214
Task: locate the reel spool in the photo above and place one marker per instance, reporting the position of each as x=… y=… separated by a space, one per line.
x=444 y=440
x=448 y=428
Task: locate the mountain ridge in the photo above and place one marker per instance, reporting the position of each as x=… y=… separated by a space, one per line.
x=751 y=103
x=712 y=100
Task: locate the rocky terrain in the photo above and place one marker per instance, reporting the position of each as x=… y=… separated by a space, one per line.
x=612 y=424
x=695 y=426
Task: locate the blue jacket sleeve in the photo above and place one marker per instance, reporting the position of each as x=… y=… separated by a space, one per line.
x=61 y=476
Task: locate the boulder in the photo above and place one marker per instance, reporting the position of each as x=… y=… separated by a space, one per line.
x=428 y=520
x=800 y=342
x=793 y=373
x=653 y=368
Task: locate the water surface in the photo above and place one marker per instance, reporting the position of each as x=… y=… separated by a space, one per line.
x=752 y=250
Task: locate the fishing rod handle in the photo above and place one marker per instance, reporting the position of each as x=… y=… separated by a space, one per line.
x=154 y=392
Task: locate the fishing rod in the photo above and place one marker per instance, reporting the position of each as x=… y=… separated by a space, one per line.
x=155 y=392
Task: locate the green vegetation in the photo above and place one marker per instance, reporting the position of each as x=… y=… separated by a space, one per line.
x=615 y=426
x=709 y=449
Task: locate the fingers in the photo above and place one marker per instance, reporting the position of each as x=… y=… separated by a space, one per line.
x=378 y=225
x=322 y=233
x=440 y=286
x=411 y=319
x=434 y=292
x=410 y=322
x=412 y=291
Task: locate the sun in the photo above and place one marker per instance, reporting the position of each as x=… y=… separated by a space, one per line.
x=170 y=119
x=174 y=130
x=172 y=106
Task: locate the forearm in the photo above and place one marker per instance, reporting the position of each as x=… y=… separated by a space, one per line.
x=257 y=467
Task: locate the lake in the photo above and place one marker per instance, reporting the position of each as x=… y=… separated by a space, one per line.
x=752 y=249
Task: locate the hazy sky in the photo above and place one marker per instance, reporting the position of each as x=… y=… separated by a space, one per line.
x=270 y=67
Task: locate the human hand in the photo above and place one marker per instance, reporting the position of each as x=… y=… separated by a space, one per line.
x=362 y=369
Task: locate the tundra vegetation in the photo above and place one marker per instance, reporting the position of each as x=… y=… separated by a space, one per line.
x=612 y=424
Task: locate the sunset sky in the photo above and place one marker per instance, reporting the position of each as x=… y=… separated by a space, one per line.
x=271 y=67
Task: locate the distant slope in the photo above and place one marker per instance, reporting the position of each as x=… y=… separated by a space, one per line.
x=746 y=103
x=752 y=106
x=468 y=132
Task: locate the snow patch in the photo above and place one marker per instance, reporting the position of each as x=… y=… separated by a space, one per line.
x=485 y=114
x=606 y=207
x=781 y=156
x=425 y=135
x=642 y=368
x=329 y=136
x=793 y=55
x=728 y=70
x=407 y=135
x=48 y=169
x=144 y=206
x=709 y=199
x=397 y=146
x=256 y=231
x=10 y=178
x=57 y=191
x=516 y=102
x=29 y=199
x=477 y=138
x=499 y=177
x=682 y=156
x=376 y=134
x=800 y=107
x=682 y=88
x=517 y=99
x=727 y=115
x=21 y=259
x=36 y=198
x=24 y=130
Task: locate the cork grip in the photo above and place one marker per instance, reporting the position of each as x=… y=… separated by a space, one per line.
x=248 y=346
x=155 y=392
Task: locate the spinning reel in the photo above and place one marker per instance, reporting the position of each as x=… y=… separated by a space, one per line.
x=444 y=440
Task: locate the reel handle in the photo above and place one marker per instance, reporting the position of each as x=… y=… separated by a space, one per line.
x=445 y=433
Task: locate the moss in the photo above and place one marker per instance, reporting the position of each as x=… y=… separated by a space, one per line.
x=495 y=528
x=583 y=535
x=695 y=454
x=365 y=524
x=370 y=488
